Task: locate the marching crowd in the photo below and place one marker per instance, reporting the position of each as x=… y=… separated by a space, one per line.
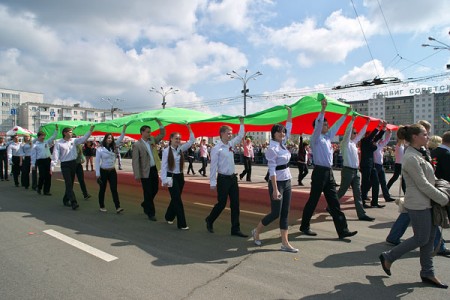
x=362 y=155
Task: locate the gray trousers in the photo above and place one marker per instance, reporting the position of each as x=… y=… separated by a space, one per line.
x=350 y=177
x=424 y=234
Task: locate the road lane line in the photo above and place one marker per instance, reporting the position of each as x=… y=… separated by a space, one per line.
x=82 y=246
x=242 y=211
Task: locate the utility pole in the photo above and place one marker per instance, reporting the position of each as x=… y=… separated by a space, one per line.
x=244 y=80
x=164 y=93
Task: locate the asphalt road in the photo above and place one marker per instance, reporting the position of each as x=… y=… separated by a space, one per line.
x=155 y=260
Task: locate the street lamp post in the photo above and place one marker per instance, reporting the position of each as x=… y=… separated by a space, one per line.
x=164 y=93
x=442 y=46
x=244 y=79
x=112 y=102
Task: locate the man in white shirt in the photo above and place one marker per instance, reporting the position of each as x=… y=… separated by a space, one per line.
x=14 y=158
x=222 y=164
x=65 y=151
x=350 y=174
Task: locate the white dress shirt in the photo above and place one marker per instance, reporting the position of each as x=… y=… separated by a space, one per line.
x=222 y=157
x=106 y=158
x=13 y=150
x=177 y=157
x=348 y=146
x=321 y=143
x=277 y=154
x=41 y=150
x=67 y=150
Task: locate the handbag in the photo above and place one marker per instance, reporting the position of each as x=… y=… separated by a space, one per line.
x=441 y=214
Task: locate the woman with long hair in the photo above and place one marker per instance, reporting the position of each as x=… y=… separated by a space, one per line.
x=105 y=169
x=172 y=176
x=278 y=157
x=420 y=191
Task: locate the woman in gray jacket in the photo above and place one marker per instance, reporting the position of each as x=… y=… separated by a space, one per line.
x=420 y=191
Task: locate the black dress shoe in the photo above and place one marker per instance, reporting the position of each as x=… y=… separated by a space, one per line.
x=383 y=261
x=377 y=206
x=75 y=205
x=445 y=252
x=366 y=218
x=240 y=234
x=152 y=218
x=47 y=194
x=39 y=191
x=67 y=204
x=366 y=206
x=308 y=232
x=346 y=234
x=390 y=199
x=434 y=283
x=209 y=226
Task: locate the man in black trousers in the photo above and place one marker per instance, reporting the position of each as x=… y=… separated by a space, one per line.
x=368 y=171
x=322 y=175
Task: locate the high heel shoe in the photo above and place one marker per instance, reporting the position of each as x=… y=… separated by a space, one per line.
x=383 y=261
x=434 y=283
x=257 y=242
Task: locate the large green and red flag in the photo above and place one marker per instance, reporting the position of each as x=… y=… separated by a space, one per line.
x=304 y=112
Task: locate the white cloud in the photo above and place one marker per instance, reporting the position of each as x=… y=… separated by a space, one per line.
x=332 y=43
x=409 y=16
x=275 y=62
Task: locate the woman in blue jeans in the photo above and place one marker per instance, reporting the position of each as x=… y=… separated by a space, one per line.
x=278 y=157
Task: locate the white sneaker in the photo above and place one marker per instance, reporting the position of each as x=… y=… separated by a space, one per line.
x=257 y=242
x=102 y=209
x=119 y=210
x=184 y=228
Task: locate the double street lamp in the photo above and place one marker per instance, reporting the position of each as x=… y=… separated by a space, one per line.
x=164 y=93
x=442 y=46
x=112 y=102
x=244 y=80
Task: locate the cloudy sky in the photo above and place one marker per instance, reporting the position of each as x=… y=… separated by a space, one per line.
x=85 y=50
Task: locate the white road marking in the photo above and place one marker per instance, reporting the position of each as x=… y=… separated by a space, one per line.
x=227 y=208
x=82 y=246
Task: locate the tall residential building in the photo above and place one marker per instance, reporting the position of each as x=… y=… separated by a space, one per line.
x=11 y=101
x=32 y=115
x=408 y=109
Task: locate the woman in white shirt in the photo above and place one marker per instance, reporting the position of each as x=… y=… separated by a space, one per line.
x=105 y=169
x=278 y=157
x=420 y=191
x=172 y=176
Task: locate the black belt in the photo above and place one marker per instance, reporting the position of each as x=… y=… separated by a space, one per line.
x=322 y=167
x=281 y=167
x=227 y=176
x=354 y=169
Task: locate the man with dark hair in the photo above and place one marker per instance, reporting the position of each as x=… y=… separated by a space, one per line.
x=441 y=159
x=322 y=175
x=368 y=171
x=146 y=164
x=41 y=159
x=66 y=151
x=222 y=164
x=3 y=160
x=203 y=157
